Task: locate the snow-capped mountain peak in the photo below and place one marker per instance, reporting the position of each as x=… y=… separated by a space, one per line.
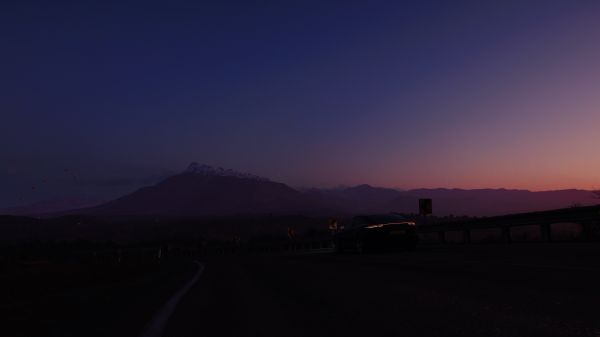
x=207 y=170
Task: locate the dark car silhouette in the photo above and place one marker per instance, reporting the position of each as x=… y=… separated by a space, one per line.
x=389 y=232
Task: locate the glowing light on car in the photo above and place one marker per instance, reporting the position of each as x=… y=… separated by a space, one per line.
x=410 y=223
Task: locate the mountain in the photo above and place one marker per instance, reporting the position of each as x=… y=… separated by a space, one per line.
x=487 y=202
x=203 y=190
x=476 y=202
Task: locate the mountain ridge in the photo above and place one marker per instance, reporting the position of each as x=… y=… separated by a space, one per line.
x=202 y=190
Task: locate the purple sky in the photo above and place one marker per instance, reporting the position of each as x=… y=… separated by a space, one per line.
x=392 y=93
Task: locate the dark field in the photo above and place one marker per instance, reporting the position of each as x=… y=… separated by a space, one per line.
x=519 y=290
x=479 y=290
x=71 y=299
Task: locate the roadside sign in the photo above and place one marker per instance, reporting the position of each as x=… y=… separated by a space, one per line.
x=425 y=206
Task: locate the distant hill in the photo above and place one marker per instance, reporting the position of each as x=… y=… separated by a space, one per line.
x=205 y=201
x=487 y=202
x=201 y=190
x=476 y=202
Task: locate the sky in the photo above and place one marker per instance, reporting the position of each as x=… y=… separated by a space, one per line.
x=99 y=98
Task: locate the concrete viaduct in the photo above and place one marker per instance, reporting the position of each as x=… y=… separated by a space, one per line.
x=588 y=217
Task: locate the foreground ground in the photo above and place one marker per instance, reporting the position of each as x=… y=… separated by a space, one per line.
x=479 y=290
x=49 y=299
x=514 y=290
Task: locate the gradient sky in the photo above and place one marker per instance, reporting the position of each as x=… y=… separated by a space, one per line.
x=97 y=99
